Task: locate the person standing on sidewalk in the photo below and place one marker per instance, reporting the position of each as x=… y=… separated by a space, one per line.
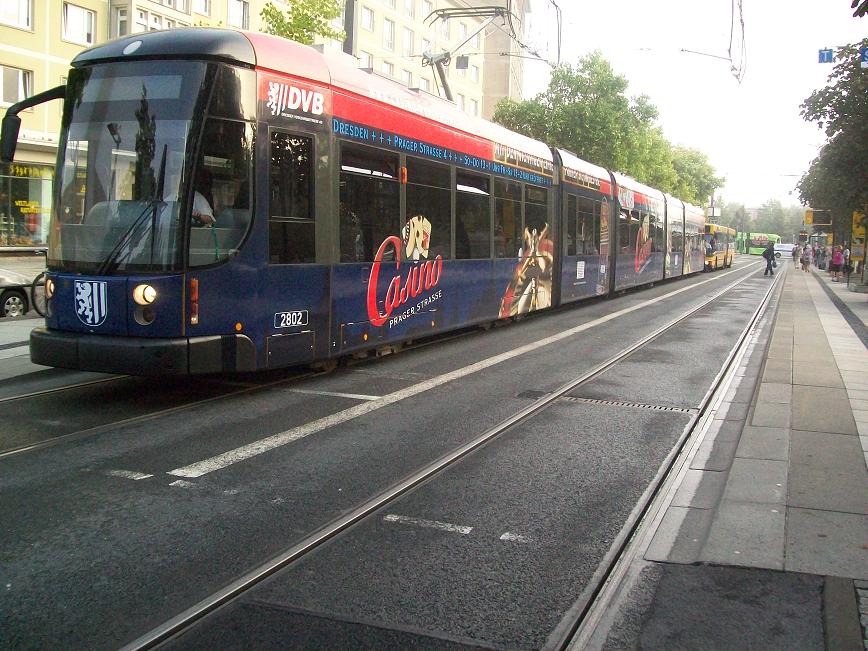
x=769 y=255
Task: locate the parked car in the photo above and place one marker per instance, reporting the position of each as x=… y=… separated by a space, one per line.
x=782 y=249
x=15 y=297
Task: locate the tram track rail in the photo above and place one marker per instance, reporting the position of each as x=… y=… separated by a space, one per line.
x=190 y=617
x=577 y=626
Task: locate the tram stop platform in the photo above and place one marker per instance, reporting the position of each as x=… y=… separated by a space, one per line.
x=764 y=544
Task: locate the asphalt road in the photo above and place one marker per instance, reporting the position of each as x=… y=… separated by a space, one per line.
x=109 y=534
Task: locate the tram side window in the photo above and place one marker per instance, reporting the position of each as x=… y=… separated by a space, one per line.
x=472 y=216
x=658 y=235
x=507 y=218
x=370 y=202
x=572 y=230
x=291 y=224
x=628 y=226
x=429 y=196
x=587 y=227
x=536 y=209
x=222 y=179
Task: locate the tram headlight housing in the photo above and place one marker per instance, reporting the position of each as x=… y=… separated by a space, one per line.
x=49 y=288
x=144 y=294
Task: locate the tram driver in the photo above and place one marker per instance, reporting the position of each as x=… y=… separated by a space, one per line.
x=202 y=210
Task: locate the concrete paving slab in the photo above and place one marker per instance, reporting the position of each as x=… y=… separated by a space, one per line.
x=700 y=489
x=770 y=414
x=822 y=409
x=816 y=353
x=779 y=352
x=775 y=392
x=714 y=455
x=826 y=542
x=816 y=375
x=778 y=374
x=680 y=536
x=756 y=480
x=860 y=416
x=733 y=411
x=827 y=472
x=746 y=534
x=764 y=443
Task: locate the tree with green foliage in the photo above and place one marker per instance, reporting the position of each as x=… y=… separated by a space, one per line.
x=836 y=179
x=303 y=20
x=585 y=110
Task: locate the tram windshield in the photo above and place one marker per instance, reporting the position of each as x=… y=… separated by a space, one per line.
x=127 y=154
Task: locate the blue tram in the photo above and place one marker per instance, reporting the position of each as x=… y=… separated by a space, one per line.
x=229 y=201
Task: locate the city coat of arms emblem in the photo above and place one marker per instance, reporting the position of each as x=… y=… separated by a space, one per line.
x=90 y=301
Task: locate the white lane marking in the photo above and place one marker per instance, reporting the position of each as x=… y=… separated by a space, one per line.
x=515 y=537
x=128 y=474
x=180 y=483
x=280 y=439
x=355 y=396
x=430 y=524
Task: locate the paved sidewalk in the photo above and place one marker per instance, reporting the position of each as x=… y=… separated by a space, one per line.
x=765 y=543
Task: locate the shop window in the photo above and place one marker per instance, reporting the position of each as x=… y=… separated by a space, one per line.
x=291 y=224
x=78 y=24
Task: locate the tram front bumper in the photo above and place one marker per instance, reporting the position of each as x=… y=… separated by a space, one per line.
x=142 y=356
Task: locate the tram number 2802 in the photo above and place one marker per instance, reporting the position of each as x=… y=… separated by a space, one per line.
x=290 y=319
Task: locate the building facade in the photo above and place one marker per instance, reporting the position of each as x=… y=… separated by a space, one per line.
x=38 y=39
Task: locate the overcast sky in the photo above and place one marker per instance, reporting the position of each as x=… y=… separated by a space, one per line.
x=751 y=131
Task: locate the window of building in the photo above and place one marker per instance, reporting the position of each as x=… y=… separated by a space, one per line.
x=388 y=68
x=477 y=40
x=474 y=107
x=507 y=218
x=459 y=101
x=409 y=36
x=410 y=8
x=407 y=77
x=122 y=21
x=169 y=24
x=462 y=31
x=472 y=216
x=366 y=59
x=389 y=3
x=389 y=34
x=291 y=224
x=141 y=24
x=239 y=14
x=18 y=13
x=202 y=7
x=474 y=73
x=427 y=8
x=444 y=27
x=17 y=84
x=156 y=22
x=369 y=202
x=425 y=85
x=426 y=46
x=462 y=72
x=367 y=19
x=78 y=24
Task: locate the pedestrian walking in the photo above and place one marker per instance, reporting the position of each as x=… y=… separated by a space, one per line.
x=807 y=258
x=797 y=252
x=769 y=255
x=837 y=263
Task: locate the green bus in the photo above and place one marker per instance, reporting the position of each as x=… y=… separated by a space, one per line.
x=755 y=243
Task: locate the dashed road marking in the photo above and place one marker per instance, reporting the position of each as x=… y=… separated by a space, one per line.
x=128 y=474
x=180 y=483
x=430 y=524
x=515 y=537
x=336 y=394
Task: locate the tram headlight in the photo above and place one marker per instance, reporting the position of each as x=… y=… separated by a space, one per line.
x=144 y=294
x=49 y=288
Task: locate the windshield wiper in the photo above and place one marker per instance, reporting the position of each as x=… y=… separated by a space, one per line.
x=113 y=259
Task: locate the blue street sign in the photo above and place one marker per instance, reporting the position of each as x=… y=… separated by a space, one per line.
x=827 y=56
x=863 y=57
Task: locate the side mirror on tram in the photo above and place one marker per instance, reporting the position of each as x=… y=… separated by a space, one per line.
x=9 y=137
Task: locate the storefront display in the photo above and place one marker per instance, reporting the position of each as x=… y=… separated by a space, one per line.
x=25 y=204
